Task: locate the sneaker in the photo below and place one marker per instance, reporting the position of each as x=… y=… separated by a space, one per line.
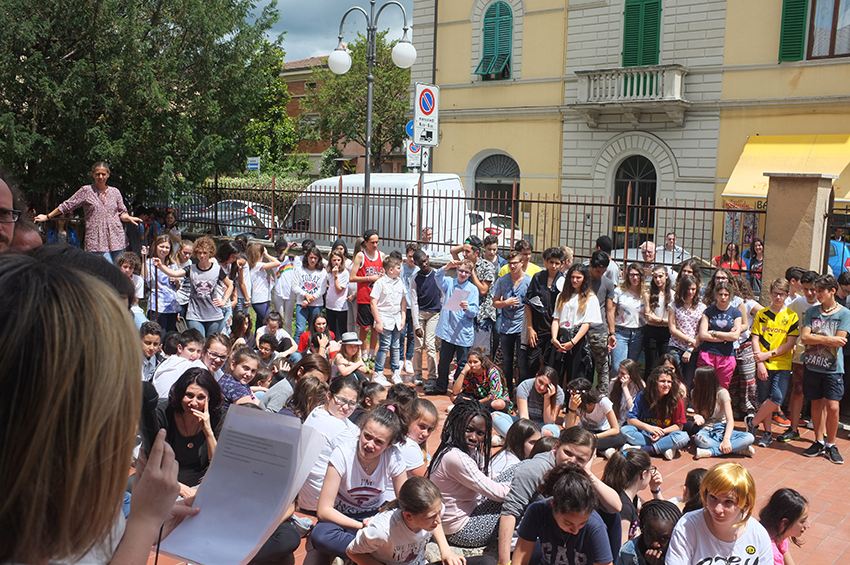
x=630 y=446
x=408 y=366
x=702 y=453
x=396 y=378
x=669 y=454
x=418 y=381
x=789 y=435
x=497 y=441
x=832 y=454
x=381 y=380
x=766 y=439
x=749 y=452
x=810 y=424
x=814 y=450
x=609 y=453
x=780 y=420
x=748 y=421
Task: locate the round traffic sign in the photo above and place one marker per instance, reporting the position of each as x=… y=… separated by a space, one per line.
x=426 y=102
x=414 y=148
x=408 y=129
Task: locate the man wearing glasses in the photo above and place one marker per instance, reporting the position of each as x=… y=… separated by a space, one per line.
x=647 y=251
x=8 y=216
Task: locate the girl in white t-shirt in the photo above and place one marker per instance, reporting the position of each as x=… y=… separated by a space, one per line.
x=422 y=417
x=575 y=310
x=713 y=413
x=595 y=412
x=519 y=441
x=261 y=298
x=357 y=476
x=336 y=301
x=723 y=531
x=398 y=535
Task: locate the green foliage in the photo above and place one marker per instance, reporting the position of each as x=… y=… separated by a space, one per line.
x=162 y=89
x=329 y=165
x=340 y=102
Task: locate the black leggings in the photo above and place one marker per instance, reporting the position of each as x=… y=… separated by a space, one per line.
x=280 y=548
x=168 y=322
x=616 y=441
x=337 y=322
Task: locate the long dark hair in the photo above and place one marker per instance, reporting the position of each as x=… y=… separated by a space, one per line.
x=518 y=434
x=454 y=432
x=391 y=417
x=570 y=489
x=615 y=390
x=308 y=394
x=708 y=296
x=583 y=292
x=655 y=290
x=624 y=468
x=785 y=505
x=726 y=258
x=487 y=365
x=584 y=388
x=664 y=406
x=307 y=253
x=226 y=250
x=195 y=376
x=704 y=394
x=692 y=482
x=682 y=285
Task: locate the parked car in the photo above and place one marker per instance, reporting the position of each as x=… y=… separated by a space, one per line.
x=228 y=225
x=262 y=211
x=483 y=224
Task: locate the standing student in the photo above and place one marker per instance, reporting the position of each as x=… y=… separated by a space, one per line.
x=284 y=299
x=684 y=315
x=774 y=335
x=724 y=529
x=655 y=423
x=566 y=524
x=336 y=301
x=366 y=269
x=720 y=326
x=162 y=307
x=756 y=264
x=539 y=304
x=629 y=319
x=601 y=337
x=483 y=278
x=713 y=412
x=807 y=299
x=575 y=310
x=785 y=516
x=508 y=295
x=408 y=341
x=656 y=333
x=742 y=388
x=389 y=307
x=310 y=284
x=260 y=291
x=425 y=303
x=824 y=334
x=455 y=328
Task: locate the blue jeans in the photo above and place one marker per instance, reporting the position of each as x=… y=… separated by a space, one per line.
x=673 y=440
x=303 y=316
x=262 y=309
x=710 y=439
x=629 y=345
x=774 y=387
x=206 y=328
x=390 y=341
x=502 y=423
x=111 y=256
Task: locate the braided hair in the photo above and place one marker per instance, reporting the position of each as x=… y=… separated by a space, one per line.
x=663 y=510
x=454 y=432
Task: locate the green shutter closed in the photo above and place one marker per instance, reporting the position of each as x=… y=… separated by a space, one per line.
x=792 y=35
x=641 y=32
x=496 y=37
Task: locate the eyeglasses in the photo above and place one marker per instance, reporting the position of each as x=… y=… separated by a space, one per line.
x=9 y=216
x=513 y=263
x=636 y=275
x=345 y=403
x=217 y=356
x=463 y=272
x=652 y=470
x=779 y=294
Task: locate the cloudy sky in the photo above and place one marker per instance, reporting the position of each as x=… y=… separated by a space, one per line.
x=312 y=26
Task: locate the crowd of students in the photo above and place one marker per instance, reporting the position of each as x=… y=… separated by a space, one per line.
x=541 y=361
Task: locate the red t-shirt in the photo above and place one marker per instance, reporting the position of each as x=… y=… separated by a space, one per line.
x=369 y=268
x=304 y=340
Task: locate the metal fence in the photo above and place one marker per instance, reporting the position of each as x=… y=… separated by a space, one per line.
x=325 y=212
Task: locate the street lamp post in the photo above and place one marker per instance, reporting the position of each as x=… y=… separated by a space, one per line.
x=404 y=55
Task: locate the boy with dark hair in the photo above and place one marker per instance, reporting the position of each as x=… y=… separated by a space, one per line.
x=189 y=350
x=425 y=304
x=130 y=263
x=491 y=251
x=605 y=244
x=824 y=334
x=408 y=341
x=266 y=347
x=793 y=276
x=170 y=343
x=539 y=304
x=600 y=337
x=508 y=294
x=151 y=334
x=528 y=267
x=808 y=298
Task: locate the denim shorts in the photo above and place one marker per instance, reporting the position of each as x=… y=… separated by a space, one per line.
x=774 y=387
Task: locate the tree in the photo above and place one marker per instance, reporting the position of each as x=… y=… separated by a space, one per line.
x=162 y=89
x=340 y=102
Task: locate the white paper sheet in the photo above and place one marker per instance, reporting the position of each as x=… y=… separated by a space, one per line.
x=453 y=303
x=260 y=463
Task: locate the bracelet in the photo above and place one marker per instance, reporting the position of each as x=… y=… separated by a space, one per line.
x=571 y=410
x=655 y=491
x=610 y=334
x=571 y=343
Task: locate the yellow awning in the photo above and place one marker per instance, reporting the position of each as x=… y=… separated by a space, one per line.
x=818 y=154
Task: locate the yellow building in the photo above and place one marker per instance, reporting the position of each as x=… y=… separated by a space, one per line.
x=584 y=98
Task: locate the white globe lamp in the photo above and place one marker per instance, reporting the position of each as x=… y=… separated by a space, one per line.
x=340 y=61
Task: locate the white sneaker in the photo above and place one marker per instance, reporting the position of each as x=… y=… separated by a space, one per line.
x=701 y=453
x=497 y=441
x=396 y=378
x=609 y=453
x=669 y=454
x=381 y=380
x=364 y=354
x=630 y=446
x=408 y=366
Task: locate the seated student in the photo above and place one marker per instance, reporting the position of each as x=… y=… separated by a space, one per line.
x=261 y=382
x=169 y=344
x=566 y=524
x=519 y=442
x=348 y=360
x=592 y=410
x=629 y=472
x=274 y=326
x=151 y=334
x=189 y=349
x=234 y=384
x=785 y=516
x=655 y=422
x=318 y=326
x=713 y=412
x=460 y=469
x=657 y=518
x=240 y=330
x=191 y=417
x=279 y=393
x=574 y=445
x=539 y=400
x=422 y=420
x=308 y=394
x=357 y=475
x=371 y=395
x=624 y=388
x=481 y=381
x=690 y=499
x=266 y=346
x=397 y=536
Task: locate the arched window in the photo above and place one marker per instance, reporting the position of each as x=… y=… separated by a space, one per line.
x=497 y=34
x=639 y=172
x=494 y=184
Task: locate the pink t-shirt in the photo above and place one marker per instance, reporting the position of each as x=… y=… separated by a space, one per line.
x=779 y=552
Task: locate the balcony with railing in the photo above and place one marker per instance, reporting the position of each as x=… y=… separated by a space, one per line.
x=636 y=96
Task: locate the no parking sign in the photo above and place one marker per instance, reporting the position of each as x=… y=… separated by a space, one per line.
x=426 y=122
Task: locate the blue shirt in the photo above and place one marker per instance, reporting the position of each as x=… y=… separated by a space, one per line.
x=720 y=321
x=557 y=547
x=512 y=316
x=825 y=358
x=457 y=327
x=407 y=273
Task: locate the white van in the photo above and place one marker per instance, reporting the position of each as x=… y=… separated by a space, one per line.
x=334 y=207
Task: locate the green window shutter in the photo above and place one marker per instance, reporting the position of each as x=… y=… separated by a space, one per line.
x=792 y=36
x=497 y=35
x=641 y=32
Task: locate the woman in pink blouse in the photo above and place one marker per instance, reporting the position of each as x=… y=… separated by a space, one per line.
x=104 y=211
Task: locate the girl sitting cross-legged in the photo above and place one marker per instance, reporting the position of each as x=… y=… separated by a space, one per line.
x=658 y=415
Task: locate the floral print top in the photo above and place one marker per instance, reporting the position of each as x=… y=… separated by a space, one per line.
x=687 y=322
x=104 y=230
